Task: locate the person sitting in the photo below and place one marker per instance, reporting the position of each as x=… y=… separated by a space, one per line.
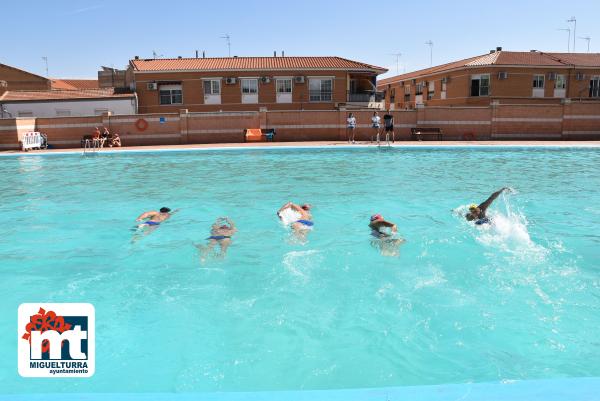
x=478 y=212
x=115 y=141
x=221 y=233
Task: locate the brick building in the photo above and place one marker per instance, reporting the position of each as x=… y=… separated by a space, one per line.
x=252 y=83
x=15 y=79
x=501 y=77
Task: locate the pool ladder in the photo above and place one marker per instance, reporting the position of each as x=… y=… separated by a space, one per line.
x=91 y=146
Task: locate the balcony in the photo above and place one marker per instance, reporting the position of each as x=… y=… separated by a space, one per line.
x=365 y=97
x=320 y=95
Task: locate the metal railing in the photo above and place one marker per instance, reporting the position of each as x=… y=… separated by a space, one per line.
x=365 y=97
x=320 y=96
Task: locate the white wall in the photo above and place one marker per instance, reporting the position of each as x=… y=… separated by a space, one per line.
x=60 y=108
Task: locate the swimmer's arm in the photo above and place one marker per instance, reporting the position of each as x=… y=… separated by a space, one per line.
x=146 y=215
x=297 y=208
x=231 y=224
x=489 y=200
x=284 y=207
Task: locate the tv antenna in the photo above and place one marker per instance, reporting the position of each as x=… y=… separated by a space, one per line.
x=228 y=40
x=574 y=21
x=569 y=40
x=430 y=44
x=588 y=39
x=397 y=55
x=46 y=61
x=155 y=55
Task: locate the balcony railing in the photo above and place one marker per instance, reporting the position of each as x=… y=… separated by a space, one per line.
x=320 y=96
x=365 y=97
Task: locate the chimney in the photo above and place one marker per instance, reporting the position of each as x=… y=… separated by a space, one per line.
x=499 y=49
x=179 y=57
x=274 y=53
x=492 y=51
x=136 y=58
x=203 y=54
x=196 y=53
x=282 y=53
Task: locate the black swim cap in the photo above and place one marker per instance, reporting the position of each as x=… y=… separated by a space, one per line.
x=165 y=210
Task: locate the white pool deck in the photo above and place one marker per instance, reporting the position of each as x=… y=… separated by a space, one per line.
x=320 y=144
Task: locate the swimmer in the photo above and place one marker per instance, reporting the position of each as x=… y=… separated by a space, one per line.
x=386 y=242
x=477 y=213
x=153 y=220
x=305 y=221
x=221 y=233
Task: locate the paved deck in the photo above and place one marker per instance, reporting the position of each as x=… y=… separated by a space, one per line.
x=321 y=144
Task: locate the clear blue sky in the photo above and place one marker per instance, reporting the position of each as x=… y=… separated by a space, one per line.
x=80 y=36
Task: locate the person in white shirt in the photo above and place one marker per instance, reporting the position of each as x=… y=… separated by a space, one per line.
x=350 y=127
x=376 y=124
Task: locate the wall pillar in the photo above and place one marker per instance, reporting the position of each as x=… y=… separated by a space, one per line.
x=183 y=127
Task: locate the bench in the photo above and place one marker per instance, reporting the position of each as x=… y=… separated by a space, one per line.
x=259 y=135
x=418 y=133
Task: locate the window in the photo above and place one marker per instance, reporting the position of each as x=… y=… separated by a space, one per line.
x=249 y=86
x=595 y=87
x=392 y=95
x=480 y=85
x=212 y=87
x=407 y=93
x=431 y=90
x=419 y=89
x=560 y=82
x=63 y=113
x=284 y=85
x=320 y=89
x=170 y=94
x=538 y=81
x=25 y=114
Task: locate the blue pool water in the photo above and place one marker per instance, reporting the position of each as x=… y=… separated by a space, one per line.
x=519 y=300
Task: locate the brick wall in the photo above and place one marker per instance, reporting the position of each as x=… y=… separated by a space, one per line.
x=572 y=120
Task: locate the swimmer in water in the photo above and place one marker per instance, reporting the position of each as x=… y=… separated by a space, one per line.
x=477 y=213
x=305 y=221
x=386 y=242
x=152 y=220
x=221 y=234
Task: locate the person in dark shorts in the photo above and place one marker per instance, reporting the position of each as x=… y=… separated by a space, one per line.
x=388 y=124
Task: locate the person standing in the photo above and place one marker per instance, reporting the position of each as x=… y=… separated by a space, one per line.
x=350 y=127
x=376 y=125
x=388 y=124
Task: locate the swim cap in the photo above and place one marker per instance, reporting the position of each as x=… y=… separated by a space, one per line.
x=376 y=217
x=165 y=210
x=306 y=206
x=473 y=206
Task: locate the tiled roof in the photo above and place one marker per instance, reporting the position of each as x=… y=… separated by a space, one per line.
x=23 y=96
x=578 y=59
x=252 y=63
x=499 y=58
x=70 y=84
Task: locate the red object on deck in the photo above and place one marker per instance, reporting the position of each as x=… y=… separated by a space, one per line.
x=254 y=135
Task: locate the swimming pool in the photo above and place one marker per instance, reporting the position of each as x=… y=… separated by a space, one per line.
x=515 y=301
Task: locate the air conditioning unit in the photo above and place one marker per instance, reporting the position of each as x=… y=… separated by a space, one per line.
x=299 y=80
x=265 y=80
x=230 y=80
x=551 y=76
x=503 y=75
x=579 y=76
x=152 y=86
